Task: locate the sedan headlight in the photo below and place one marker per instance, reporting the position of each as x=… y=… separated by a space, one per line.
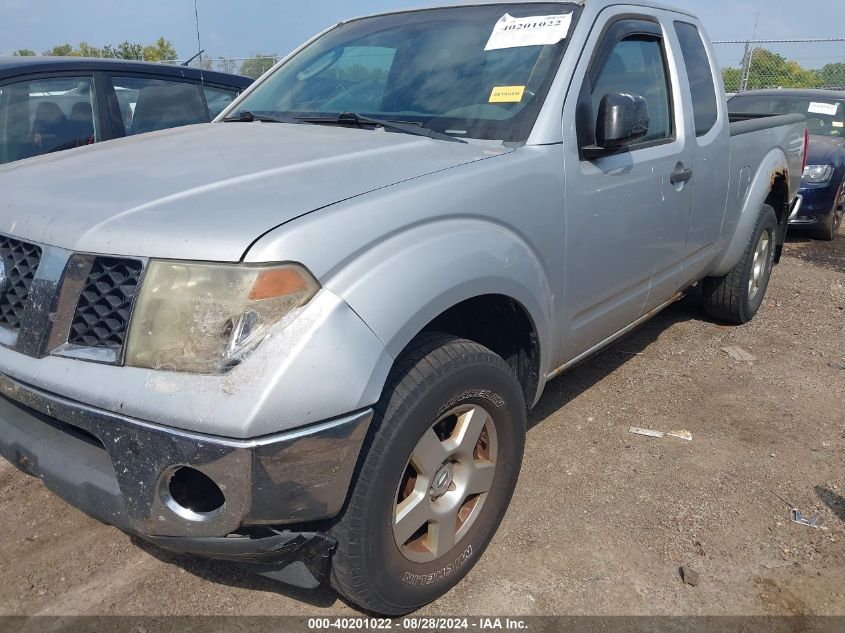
x=205 y=318
x=818 y=174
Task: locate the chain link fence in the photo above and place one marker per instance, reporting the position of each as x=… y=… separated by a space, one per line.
x=766 y=64
x=250 y=66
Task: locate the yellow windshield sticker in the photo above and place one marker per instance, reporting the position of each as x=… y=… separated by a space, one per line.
x=507 y=94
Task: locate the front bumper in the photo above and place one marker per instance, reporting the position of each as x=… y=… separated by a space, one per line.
x=119 y=470
x=817 y=203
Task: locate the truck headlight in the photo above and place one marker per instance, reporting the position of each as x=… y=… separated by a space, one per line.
x=205 y=318
x=818 y=174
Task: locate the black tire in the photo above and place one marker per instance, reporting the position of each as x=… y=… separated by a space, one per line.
x=729 y=298
x=830 y=229
x=434 y=376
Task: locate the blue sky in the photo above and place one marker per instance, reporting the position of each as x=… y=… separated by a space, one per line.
x=239 y=29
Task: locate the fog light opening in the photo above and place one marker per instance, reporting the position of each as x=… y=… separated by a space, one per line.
x=195 y=491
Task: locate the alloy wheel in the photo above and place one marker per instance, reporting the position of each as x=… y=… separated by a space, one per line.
x=760 y=265
x=445 y=483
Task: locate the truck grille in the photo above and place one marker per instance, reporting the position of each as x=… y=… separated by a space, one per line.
x=102 y=315
x=20 y=260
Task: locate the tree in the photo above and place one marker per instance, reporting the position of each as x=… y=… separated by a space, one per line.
x=124 y=50
x=66 y=50
x=62 y=50
x=797 y=77
x=732 y=77
x=23 y=52
x=86 y=50
x=832 y=76
x=770 y=70
x=258 y=65
x=161 y=51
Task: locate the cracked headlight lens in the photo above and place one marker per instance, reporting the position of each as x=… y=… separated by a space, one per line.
x=206 y=318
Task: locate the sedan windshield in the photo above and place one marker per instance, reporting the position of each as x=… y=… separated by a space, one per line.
x=477 y=72
x=825 y=117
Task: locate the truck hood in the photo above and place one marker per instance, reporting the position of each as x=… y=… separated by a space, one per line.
x=207 y=192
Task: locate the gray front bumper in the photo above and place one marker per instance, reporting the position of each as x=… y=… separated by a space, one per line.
x=117 y=469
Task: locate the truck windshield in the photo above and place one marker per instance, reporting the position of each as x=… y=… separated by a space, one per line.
x=477 y=72
x=825 y=116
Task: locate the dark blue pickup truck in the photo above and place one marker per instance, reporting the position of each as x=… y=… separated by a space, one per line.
x=48 y=104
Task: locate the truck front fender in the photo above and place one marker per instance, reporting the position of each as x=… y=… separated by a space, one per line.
x=403 y=282
x=406 y=254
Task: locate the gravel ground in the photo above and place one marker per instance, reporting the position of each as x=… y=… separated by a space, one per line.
x=602 y=519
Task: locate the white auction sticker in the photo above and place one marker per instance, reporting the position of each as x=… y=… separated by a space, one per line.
x=823 y=108
x=511 y=32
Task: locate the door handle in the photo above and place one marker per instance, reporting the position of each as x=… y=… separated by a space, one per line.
x=681 y=174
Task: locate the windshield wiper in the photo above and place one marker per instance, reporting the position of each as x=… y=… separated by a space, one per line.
x=245 y=116
x=352 y=118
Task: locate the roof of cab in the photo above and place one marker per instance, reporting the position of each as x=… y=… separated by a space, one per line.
x=16 y=66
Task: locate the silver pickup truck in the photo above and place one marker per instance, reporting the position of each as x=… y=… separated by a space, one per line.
x=304 y=337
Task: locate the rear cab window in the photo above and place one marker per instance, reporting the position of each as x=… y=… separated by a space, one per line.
x=45 y=115
x=700 y=75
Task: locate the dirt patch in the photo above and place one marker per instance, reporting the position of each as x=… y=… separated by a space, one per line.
x=602 y=519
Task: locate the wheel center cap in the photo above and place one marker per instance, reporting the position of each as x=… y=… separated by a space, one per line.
x=441 y=481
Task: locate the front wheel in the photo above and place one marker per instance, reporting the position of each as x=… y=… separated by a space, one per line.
x=434 y=478
x=737 y=297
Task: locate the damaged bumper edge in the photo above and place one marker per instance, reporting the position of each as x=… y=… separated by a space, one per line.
x=187 y=492
x=301 y=559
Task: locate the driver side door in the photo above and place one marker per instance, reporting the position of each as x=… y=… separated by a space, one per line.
x=626 y=212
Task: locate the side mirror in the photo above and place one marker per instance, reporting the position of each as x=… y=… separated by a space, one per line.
x=622 y=119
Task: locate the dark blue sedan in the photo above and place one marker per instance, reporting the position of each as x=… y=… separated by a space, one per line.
x=823 y=189
x=48 y=104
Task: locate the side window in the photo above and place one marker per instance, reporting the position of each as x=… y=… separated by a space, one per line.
x=218 y=99
x=700 y=75
x=636 y=65
x=46 y=115
x=147 y=105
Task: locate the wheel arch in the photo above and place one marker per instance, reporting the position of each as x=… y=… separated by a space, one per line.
x=779 y=199
x=771 y=184
x=502 y=325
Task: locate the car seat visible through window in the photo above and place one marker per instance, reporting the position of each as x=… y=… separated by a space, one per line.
x=51 y=129
x=163 y=106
